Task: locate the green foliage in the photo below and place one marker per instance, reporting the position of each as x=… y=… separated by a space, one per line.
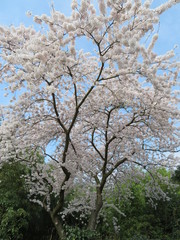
x=176 y=176
x=142 y=221
x=13 y=216
x=75 y=233
x=12 y=190
x=19 y=218
x=13 y=224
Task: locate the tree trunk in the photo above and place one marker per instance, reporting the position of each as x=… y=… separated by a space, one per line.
x=95 y=212
x=59 y=206
x=59 y=227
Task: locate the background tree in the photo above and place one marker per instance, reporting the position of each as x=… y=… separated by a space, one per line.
x=14 y=217
x=138 y=218
x=94 y=115
x=20 y=218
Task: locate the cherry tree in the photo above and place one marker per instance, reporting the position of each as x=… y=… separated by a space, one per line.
x=96 y=116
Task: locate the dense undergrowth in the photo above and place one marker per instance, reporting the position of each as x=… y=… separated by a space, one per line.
x=140 y=220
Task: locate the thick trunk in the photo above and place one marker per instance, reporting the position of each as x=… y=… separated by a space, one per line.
x=59 y=227
x=58 y=208
x=95 y=212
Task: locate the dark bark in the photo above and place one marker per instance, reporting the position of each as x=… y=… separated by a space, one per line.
x=59 y=227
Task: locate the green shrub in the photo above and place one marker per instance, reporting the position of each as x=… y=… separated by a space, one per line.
x=75 y=233
x=13 y=224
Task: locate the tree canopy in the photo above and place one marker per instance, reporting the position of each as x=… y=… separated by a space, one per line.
x=97 y=116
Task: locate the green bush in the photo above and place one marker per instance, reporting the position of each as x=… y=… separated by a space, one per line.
x=13 y=224
x=75 y=233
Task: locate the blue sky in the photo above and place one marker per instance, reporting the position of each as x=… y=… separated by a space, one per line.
x=14 y=12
